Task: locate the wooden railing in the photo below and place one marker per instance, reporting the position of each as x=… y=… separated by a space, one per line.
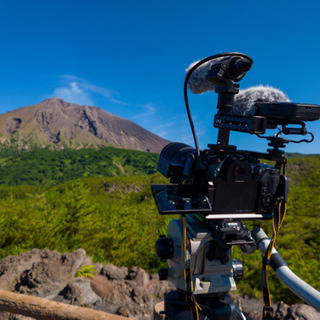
x=43 y=309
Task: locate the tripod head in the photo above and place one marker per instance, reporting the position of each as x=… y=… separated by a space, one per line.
x=214 y=271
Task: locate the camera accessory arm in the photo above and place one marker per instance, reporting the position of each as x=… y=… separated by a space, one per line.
x=286 y=276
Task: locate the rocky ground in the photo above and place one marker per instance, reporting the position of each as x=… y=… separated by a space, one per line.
x=133 y=293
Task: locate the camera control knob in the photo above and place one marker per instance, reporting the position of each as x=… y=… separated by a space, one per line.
x=164 y=248
x=237 y=269
x=163 y=273
x=267 y=200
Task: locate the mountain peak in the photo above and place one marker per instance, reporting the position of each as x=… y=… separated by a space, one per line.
x=56 y=101
x=60 y=124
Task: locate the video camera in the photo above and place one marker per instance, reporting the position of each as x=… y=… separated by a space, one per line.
x=222 y=183
x=214 y=189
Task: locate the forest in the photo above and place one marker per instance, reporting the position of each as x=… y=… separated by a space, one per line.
x=101 y=200
x=50 y=167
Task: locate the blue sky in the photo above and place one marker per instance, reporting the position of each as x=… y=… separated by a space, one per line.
x=129 y=57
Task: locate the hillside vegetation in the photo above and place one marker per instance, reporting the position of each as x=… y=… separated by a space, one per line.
x=48 y=167
x=115 y=219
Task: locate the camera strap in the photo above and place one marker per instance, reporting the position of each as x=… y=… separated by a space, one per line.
x=278 y=217
x=187 y=271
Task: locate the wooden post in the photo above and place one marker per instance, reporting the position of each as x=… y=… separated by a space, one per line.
x=44 y=309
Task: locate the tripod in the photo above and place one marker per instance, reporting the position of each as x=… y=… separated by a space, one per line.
x=213 y=295
x=215 y=307
x=213 y=270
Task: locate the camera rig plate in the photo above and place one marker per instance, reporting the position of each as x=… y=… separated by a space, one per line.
x=268 y=116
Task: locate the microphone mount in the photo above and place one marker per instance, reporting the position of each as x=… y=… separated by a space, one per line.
x=228 y=69
x=224 y=74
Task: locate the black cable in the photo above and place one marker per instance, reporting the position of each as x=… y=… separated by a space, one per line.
x=185 y=87
x=304 y=140
x=287 y=140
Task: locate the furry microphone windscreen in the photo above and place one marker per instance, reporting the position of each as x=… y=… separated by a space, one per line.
x=246 y=99
x=197 y=81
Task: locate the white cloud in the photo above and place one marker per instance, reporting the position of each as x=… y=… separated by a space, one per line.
x=79 y=90
x=73 y=93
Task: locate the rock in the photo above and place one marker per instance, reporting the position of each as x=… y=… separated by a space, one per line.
x=112 y=272
x=98 y=267
x=142 y=296
x=135 y=296
x=73 y=293
x=139 y=276
x=115 y=292
x=9 y=316
x=89 y=296
x=78 y=292
x=12 y=267
x=87 y=261
x=296 y=312
x=134 y=311
x=50 y=273
x=159 y=288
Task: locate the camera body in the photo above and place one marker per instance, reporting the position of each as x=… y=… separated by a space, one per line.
x=221 y=185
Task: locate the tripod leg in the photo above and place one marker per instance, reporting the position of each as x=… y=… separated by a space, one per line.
x=213 y=308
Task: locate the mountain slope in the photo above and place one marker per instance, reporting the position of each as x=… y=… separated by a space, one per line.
x=45 y=167
x=54 y=122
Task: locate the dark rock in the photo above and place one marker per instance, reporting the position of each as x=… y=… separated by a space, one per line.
x=142 y=296
x=73 y=293
x=89 y=296
x=12 y=267
x=134 y=311
x=112 y=272
x=78 y=292
x=139 y=276
x=40 y=272
x=51 y=273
